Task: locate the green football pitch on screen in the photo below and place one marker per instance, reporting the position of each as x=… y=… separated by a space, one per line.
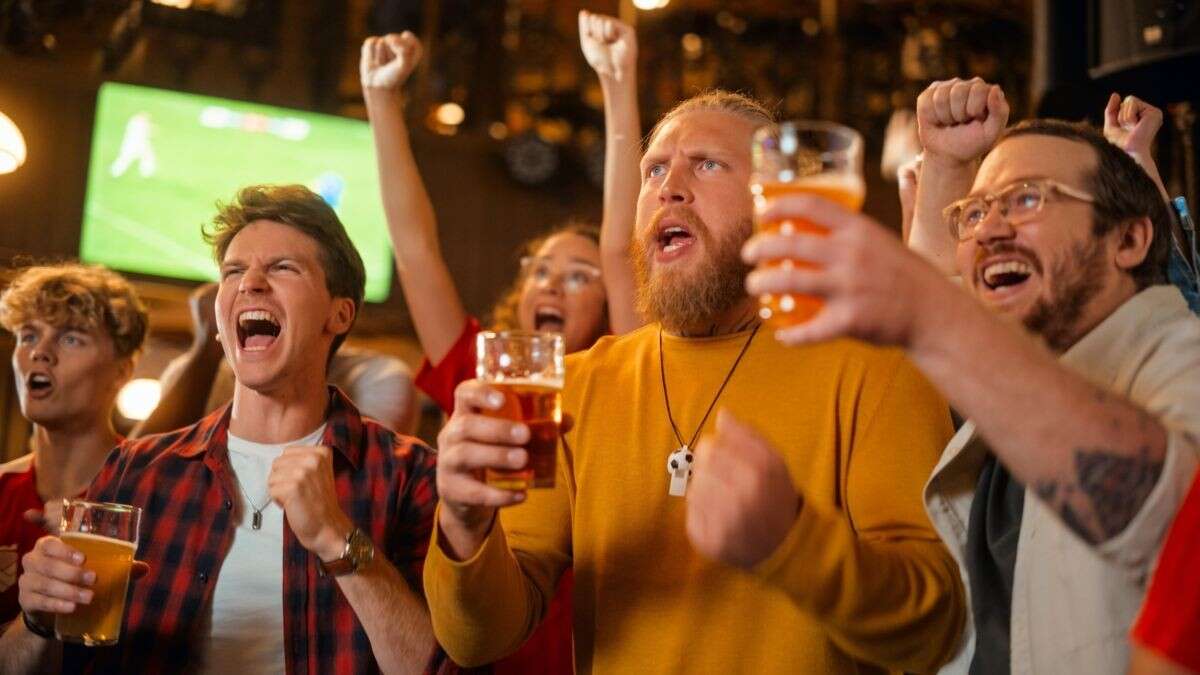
x=161 y=160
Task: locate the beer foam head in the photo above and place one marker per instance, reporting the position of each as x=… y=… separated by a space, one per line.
x=527 y=381
x=850 y=183
x=67 y=536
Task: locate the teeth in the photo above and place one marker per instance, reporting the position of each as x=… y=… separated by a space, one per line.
x=256 y=315
x=673 y=246
x=1009 y=267
x=39 y=379
x=549 y=312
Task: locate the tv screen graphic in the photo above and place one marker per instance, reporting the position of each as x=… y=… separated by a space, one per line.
x=161 y=160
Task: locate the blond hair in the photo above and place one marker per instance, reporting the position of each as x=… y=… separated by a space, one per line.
x=71 y=295
x=718 y=100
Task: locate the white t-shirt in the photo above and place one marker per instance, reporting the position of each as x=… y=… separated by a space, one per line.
x=246 y=634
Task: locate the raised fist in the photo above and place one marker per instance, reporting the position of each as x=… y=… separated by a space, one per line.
x=1131 y=124
x=609 y=45
x=387 y=61
x=960 y=120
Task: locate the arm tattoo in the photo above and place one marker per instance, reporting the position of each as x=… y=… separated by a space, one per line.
x=1115 y=486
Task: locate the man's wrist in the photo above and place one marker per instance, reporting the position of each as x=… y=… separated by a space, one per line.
x=942 y=162
x=934 y=316
x=331 y=543
x=381 y=96
x=462 y=538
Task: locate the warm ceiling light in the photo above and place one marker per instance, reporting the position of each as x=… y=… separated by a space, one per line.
x=12 y=145
x=650 y=4
x=450 y=114
x=139 y=398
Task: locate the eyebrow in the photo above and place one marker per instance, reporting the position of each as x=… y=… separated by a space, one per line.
x=270 y=261
x=581 y=261
x=1014 y=181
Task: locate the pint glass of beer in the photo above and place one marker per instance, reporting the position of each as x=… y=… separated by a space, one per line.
x=107 y=535
x=527 y=367
x=819 y=158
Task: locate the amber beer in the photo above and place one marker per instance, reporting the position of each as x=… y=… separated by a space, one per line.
x=86 y=527
x=527 y=367
x=802 y=156
x=539 y=406
x=848 y=190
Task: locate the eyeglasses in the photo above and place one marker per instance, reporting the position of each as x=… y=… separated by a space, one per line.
x=574 y=276
x=1019 y=203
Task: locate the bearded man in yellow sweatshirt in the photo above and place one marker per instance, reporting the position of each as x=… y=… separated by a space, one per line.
x=792 y=539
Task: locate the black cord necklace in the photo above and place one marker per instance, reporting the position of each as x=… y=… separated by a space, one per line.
x=679 y=463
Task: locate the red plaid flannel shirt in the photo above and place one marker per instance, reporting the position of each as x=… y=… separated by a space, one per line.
x=181 y=480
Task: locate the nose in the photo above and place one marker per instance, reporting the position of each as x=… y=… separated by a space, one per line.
x=552 y=283
x=254 y=280
x=43 y=352
x=675 y=188
x=994 y=226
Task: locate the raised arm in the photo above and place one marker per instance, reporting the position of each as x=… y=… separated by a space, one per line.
x=433 y=301
x=610 y=48
x=1130 y=124
x=189 y=379
x=957 y=121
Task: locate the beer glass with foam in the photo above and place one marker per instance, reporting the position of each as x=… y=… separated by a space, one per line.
x=803 y=156
x=527 y=367
x=107 y=535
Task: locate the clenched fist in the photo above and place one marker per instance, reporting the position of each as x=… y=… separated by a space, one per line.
x=609 y=46
x=301 y=483
x=741 y=501
x=387 y=61
x=958 y=121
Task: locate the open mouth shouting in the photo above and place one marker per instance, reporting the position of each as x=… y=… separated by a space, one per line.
x=549 y=318
x=1004 y=277
x=672 y=240
x=257 y=330
x=39 y=385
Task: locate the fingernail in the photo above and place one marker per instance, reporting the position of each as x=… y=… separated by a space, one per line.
x=517 y=458
x=518 y=497
x=89 y=577
x=78 y=558
x=495 y=399
x=518 y=432
x=85 y=597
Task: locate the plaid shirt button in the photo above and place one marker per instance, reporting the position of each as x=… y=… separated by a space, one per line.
x=203 y=577
x=228 y=504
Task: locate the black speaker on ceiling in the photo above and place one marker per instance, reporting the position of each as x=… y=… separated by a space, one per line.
x=1085 y=49
x=1150 y=48
x=1129 y=35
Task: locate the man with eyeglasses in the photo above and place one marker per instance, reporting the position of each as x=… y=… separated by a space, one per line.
x=1061 y=236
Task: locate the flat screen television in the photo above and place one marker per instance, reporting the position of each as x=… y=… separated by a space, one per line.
x=161 y=159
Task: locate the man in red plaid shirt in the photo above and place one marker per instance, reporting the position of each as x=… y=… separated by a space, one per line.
x=283 y=531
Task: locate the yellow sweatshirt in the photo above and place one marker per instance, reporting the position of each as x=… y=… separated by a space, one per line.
x=861 y=583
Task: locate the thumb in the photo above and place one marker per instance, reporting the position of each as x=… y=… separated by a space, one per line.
x=35 y=517
x=997 y=113
x=732 y=430
x=138 y=570
x=1110 y=110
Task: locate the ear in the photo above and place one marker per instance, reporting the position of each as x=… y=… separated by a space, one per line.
x=125 y=368
x=1134 y=237
x=341 y=316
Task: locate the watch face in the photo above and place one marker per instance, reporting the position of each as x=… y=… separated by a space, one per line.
x=362 y=549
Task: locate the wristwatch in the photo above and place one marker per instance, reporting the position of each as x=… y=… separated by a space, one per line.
x=359 y=551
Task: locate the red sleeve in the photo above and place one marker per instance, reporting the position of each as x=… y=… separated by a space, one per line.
x=1169 y=623
x=457 y=366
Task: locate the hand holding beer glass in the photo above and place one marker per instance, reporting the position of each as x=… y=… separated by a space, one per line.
x=527 y=368
x=805 y=156
x=107 y=536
